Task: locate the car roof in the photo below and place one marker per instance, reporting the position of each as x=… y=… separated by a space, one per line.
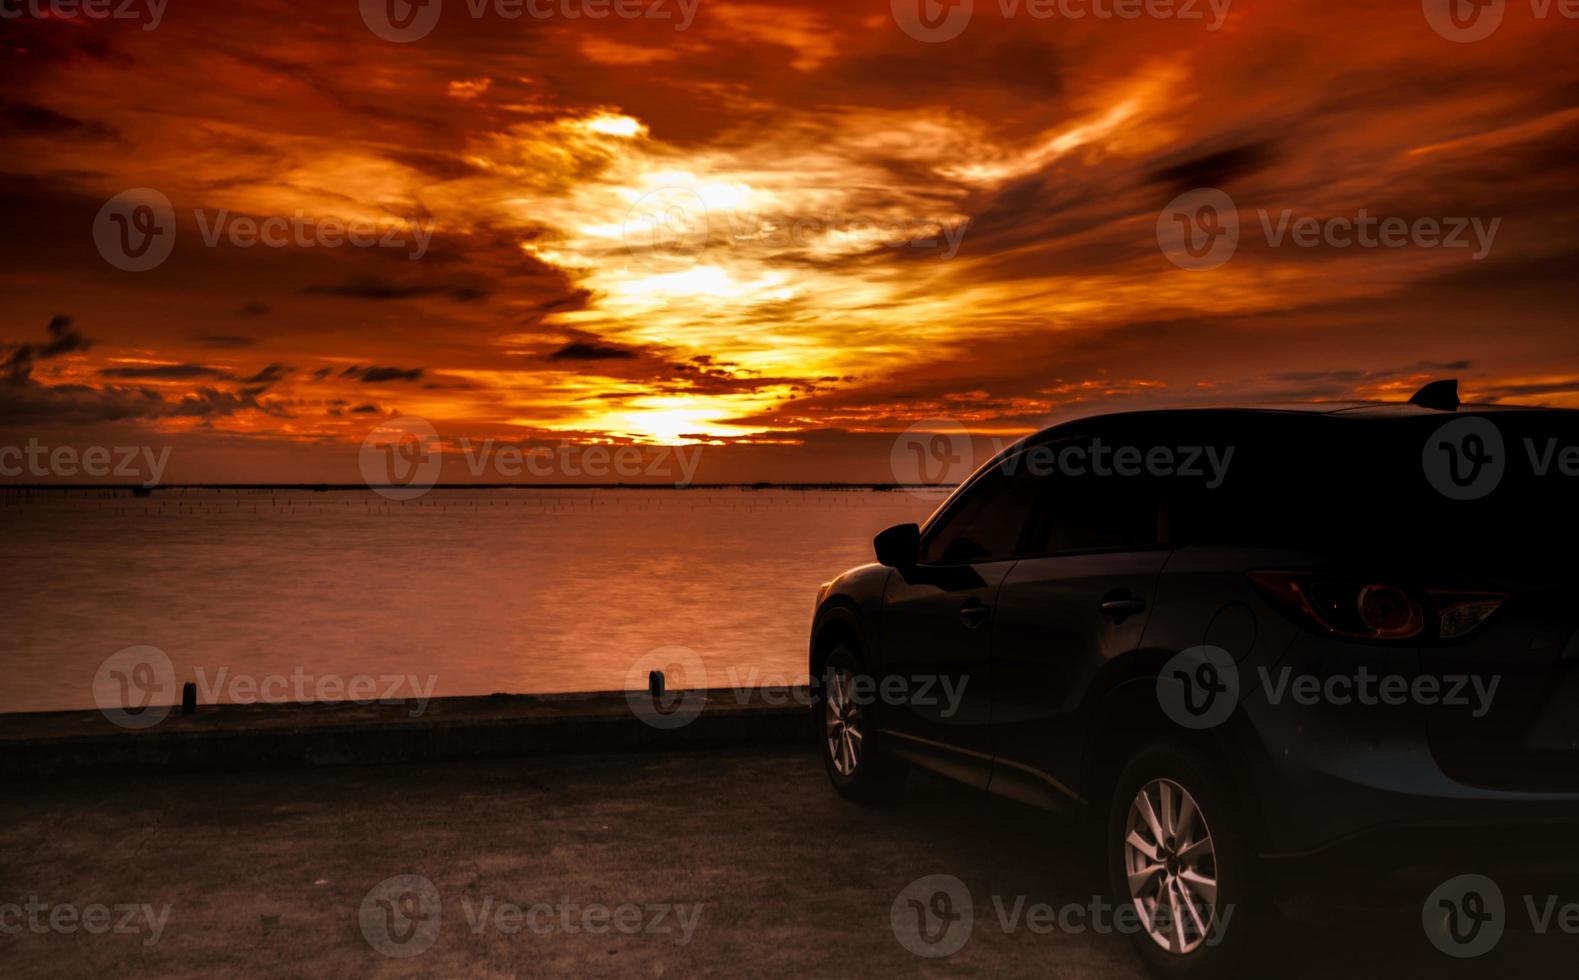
x=1272 y=411
x=1363 y=408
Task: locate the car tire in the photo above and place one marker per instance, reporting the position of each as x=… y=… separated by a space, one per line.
x=852 y=751
x=1191 y=802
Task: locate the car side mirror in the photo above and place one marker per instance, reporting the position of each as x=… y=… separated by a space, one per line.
x=899 y=546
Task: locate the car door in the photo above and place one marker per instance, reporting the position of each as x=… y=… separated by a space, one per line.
x=938 y=624
x=1080 y=596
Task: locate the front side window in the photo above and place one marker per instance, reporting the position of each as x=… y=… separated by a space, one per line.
x=988 y=522
x=1083 y=502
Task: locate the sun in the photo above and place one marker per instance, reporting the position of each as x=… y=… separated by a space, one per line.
x=671 y=419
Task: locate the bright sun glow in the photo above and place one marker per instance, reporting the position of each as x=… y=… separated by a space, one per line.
x=609 y=124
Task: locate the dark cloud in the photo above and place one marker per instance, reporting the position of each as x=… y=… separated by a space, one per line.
x=25 y=402
x=268 y=375
x=586 y=351
x=440 y=166
x=1348 y=378
x=1216 y=169
x=380 y=290
x=26 y=119
x=253 y=308
x=167 y=372
x=1526 y=393
x=63 y=339
x=577 y=299
x=376 y=374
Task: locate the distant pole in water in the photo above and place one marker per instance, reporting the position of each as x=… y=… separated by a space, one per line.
x=655 y=683
x=188 y=698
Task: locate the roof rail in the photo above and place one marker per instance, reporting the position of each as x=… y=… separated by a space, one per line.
x=1440 y=395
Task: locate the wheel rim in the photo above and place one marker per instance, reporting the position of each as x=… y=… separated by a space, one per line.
x=1171 y=863
x=844 y=723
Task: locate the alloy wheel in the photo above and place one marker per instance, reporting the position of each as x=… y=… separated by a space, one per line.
x=1171 y=864
x=843 y=722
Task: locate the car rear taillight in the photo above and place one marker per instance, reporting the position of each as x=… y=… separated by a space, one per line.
x=1364 y=609
x=1388 y=612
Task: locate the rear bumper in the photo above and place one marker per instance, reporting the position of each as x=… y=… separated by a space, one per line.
x=1397 y=867
x=1365 y=814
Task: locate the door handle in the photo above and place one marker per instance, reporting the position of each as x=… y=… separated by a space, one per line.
x=974 y=613
x=1121 y=606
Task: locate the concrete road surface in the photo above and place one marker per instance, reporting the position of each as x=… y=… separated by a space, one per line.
x=735 y=863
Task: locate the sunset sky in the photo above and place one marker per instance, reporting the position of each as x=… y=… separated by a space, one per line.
x=787 y=230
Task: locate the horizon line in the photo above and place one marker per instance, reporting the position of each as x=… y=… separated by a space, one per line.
x=753 y=485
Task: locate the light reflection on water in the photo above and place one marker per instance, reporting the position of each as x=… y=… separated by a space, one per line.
x=489 y=590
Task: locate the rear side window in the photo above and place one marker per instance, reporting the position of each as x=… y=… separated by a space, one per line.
x=1091 y=513
x=987 y=523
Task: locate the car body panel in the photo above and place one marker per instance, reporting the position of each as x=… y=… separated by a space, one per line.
x=1320 y=778
x=1050 y=640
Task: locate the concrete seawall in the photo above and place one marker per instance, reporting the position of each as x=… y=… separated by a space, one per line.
x=281 y=736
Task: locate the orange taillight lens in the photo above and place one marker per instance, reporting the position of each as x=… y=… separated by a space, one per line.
x=1376 y=610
